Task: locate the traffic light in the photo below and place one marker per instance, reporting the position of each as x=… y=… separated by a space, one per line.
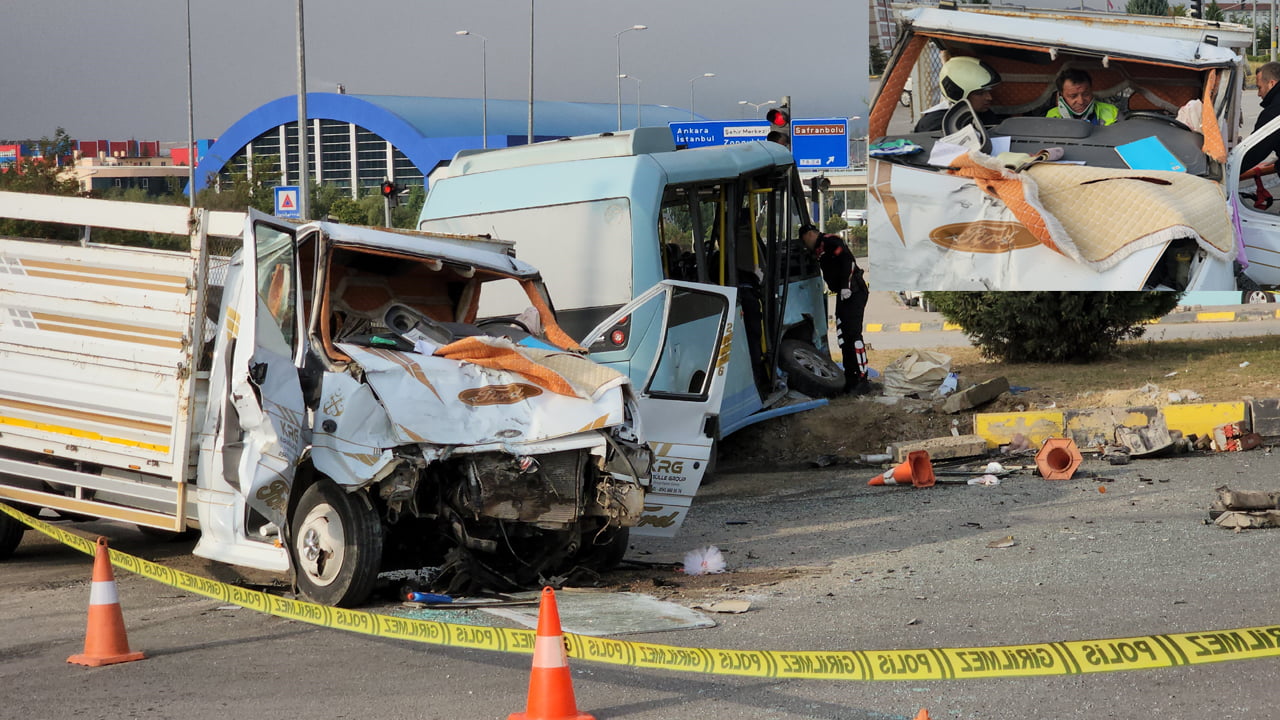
x=1197 y=9
x=391 y=192
x=818 y=185
x=780 y=121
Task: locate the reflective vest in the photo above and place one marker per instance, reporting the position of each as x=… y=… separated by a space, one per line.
x=1104 y=113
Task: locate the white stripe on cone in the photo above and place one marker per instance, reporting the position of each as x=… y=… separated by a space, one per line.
x=548 y=652
x=103 y=593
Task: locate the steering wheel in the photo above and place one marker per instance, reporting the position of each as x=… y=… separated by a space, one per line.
x=505 y=321
x=1156 y=115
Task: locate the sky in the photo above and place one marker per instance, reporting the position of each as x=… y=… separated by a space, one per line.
x=117 y=70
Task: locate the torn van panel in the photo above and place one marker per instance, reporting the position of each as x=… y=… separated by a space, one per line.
x=1090 y=222
x=447 y=402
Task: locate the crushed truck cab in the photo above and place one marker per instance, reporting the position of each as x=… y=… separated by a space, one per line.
x=318 y=398
x=1106 y=216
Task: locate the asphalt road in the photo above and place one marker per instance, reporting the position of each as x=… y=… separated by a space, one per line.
x=860 y=569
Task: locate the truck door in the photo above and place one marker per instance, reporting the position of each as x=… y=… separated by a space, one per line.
x=683 y=332
x=258 y=432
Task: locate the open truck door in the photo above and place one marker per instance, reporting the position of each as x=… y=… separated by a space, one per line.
x=255 y=426
x=688 y=329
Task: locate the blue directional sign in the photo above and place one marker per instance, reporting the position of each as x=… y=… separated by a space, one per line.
x=718 y=132
x=820 y=143
x=287 y=202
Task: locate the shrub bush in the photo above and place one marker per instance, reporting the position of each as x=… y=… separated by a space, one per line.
x=1052 y=327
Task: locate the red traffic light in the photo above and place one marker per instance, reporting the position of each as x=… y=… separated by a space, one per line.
x=778 y=117
x=388 y=188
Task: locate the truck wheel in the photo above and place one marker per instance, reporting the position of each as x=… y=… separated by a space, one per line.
x=336 y=545
x=10 y=535
x=808 y=371
x=607 y=555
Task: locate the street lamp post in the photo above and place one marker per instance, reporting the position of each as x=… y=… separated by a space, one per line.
x=633 y=77
x=530 y=72
x=691 y=81
x=484 y=84
x=617 y=37
x=756 y=106
x=304 y=174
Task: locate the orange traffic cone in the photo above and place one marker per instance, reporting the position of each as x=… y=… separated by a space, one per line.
x=550 y=687
x=922 y=715
x=916 y=471
x=104 y=641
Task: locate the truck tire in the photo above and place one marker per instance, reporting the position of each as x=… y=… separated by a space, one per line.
x=808 y=371
x=10 y=535
x=607 y=555
x=336 y=545
x=1256 y=296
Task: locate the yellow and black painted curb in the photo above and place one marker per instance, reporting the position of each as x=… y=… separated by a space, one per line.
x=1036 y=659
x=1094 y=426
x=1246 y=314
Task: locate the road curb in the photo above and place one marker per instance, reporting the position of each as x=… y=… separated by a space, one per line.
x=1175 y=318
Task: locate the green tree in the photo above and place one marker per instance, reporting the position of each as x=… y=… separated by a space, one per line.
x=1147 y=7
x=1051 y=327
x=835 y=224
x=242 y=189
x=1213 y=11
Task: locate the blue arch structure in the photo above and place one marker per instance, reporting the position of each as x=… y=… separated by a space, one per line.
x=428 y=130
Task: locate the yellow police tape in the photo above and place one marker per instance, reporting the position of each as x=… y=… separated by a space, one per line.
x=1055 y=658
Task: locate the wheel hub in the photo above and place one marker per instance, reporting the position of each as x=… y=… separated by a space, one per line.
x=321 y=544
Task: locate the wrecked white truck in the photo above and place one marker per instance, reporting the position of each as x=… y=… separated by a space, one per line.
x=1148 y=202
x=317 y=399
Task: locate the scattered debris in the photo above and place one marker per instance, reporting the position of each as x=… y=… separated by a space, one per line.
x=1232 y=438
x=1247 y=509
x=941 y=448
x=984 y=480
x=1116 y=458
x=1004 y=542
x=724 y=606
x=1017 y=443
x=918 y=372
x=1145 y=441
x=707 y=561
x=976 y=395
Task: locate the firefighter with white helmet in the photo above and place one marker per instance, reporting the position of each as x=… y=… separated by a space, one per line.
x=963 y=78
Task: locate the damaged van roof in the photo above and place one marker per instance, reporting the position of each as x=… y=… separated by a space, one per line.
x=1077 y=37
x=481 y=252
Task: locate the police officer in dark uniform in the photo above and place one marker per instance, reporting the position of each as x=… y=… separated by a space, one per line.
x=844 y=278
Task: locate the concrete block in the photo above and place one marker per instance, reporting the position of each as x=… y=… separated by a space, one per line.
x=1093 y=427
x=1036 y=427
x=1266 y=417
x=1201 y=418
x=976 y=395
x=941 y=448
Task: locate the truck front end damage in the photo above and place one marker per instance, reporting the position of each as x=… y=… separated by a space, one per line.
x=371 y=421
x=502 y=482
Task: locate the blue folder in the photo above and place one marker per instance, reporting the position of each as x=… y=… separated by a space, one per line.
x=1149 y=154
